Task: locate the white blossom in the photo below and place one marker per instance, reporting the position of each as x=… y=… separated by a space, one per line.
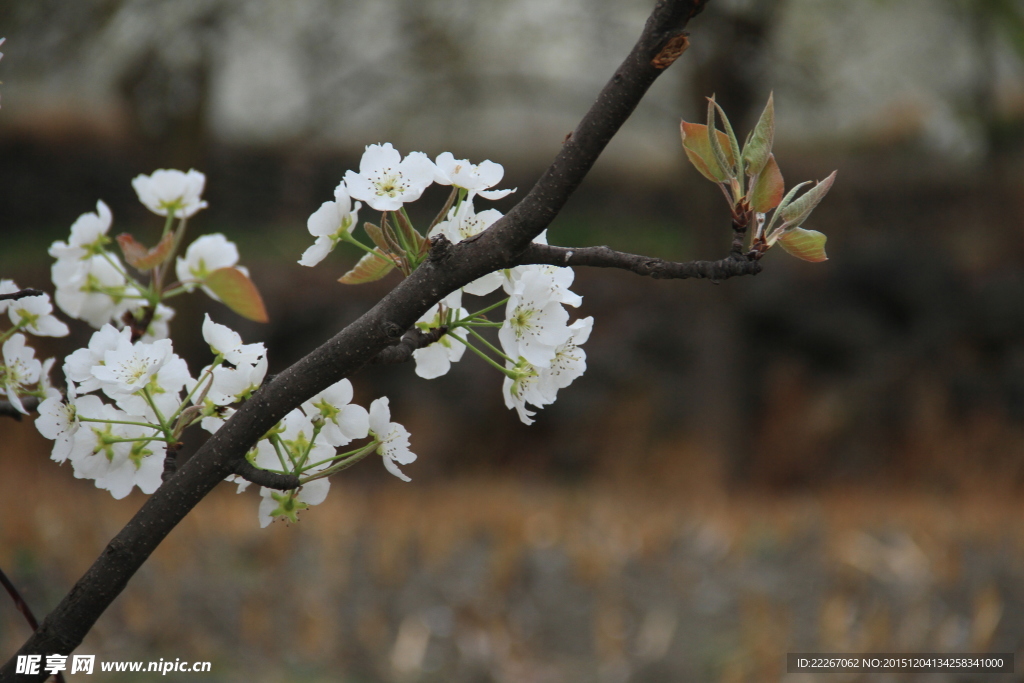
x=570 y=361
x=302 y=454
x=79 y=364
x=287 y=504
x=535 y=322
x=94 y=289
x=171 y=191
x=100 y=452
x=343 y=421
x=205 y=255
x=58 y=422
x=34 y=315
x=386 y=181
x=436 y=359
x=226 y=342
x=476 y=178
x=231 y=385
x=526 y=386
x=393 y=437
x=329 y=224
x=128 y=368
x=88 y=235
x=20 y=370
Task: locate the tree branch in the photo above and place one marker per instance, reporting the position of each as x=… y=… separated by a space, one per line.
x=603 y=257
x=412 y=340
x=272 y=480
x=383 y=325
x=21 y=294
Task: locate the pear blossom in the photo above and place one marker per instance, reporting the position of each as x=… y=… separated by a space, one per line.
x=287 y=504
x=329 y=224
x=462 y=223
x=343 y=421
x=526 y=385
x=226 y=342
x=79 y=364
x=205 y=255
x=163 y=388
x=436 y=359
x=58 y=421
x=128 y=368
x=170 y=191
x=386 y=181
x=535 y=322
x=33 y=314
x=303 y=453
x=88 y=235
x=20 y=369
x=393 y=437
x=93 y=289
x=570 y=361
x=117 y=456
x=473 y=177
x=231 y=385
x=558 y=279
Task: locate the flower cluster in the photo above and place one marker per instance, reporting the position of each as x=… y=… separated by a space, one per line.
x=309 y=443
x=130 y=397
x=539 y=348
x=94 y=284
x=21 y=374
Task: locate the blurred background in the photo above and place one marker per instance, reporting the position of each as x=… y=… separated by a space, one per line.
x=827 y=457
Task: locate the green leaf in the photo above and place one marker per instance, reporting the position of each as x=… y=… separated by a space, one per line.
x=718 y=153
x=697 y=145
x=797 y=212
x=767 y=191
x=759 y=147
x=808 y=245
x=373 y=266
x=238 y=293
x=734 y=145
x=143 y=259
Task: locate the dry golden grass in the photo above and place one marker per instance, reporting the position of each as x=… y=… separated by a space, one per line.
x=625 y=578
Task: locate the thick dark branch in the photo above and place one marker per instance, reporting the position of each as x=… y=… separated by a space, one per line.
x=272 y=480
x=603 y=257
x=411 y=340
x=21 y=294
x=382 y=326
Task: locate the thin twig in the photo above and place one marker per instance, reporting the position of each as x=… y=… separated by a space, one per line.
x=22 y=606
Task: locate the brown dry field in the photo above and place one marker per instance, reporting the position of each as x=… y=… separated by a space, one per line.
x=498 y=579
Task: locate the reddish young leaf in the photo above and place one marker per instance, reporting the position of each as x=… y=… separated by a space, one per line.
x=697 y=145
x=808 y=245
x=143 y=259
x=238 y=293
x=767 y=191
x=373 y=266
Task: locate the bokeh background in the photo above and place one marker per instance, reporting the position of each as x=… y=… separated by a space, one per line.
x=827 y=457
